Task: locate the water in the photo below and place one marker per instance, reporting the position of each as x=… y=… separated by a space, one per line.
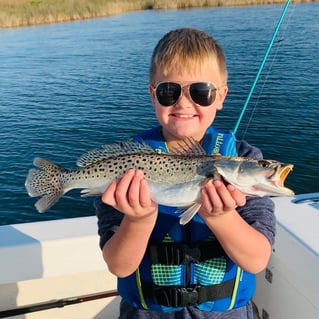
x=67 y=88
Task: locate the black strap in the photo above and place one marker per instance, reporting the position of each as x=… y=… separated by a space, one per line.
x=180 y=253
x=175 y=296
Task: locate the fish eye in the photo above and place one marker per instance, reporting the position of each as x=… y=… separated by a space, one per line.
x=263 y=164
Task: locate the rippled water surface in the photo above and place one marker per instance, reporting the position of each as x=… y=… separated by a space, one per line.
x=67 y=88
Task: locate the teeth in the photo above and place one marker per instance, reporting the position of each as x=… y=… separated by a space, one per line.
x=184 y=115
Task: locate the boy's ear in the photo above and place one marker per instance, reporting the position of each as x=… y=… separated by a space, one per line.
x=222 y=93
x=152 y=94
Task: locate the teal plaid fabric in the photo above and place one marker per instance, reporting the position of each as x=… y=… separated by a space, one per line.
x=166 y=275
x=205 y=273
x=210 y=272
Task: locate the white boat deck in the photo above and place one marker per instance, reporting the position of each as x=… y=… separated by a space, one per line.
x=289 y=287
x=47 y=261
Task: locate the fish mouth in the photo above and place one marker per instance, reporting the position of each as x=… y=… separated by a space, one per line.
x=283 y=172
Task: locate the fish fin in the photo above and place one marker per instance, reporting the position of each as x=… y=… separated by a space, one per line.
x=188 y=146
x=90 y=192
x=44 y=181
x=189 y=213
x=47 y=201
x=113 y=150
x=45 y=164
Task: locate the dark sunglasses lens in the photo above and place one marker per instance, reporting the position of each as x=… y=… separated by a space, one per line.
x=202 y=93
x=168 y=93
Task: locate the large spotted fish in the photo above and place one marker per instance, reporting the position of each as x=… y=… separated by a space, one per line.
x=175 y=178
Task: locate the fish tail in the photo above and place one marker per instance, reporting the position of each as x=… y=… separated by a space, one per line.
x=45 y=182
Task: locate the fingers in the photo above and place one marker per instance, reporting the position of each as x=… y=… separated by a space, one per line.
x=117 y=191
x=138 y=192
x=145 y=195
x=108 y=196
x=237 y=195
x=217 y=198
x=131 y=188
x=130 y=194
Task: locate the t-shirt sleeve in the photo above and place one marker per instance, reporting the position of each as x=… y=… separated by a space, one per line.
x=259 y=212
x=109 y=219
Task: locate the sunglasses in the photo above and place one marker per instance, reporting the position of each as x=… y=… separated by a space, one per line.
x=201 y=93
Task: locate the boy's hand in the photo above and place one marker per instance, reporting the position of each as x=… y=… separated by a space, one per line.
x=131 y=196
x=218 y=199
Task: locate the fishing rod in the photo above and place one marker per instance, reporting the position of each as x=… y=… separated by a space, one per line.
x=60 y=303
x=262 y=64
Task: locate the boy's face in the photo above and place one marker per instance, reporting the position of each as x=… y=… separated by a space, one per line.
x=185 y=118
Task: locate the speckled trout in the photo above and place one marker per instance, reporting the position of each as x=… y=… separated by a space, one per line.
x=174 y=178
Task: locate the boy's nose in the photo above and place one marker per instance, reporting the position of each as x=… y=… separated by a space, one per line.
x=184 y=99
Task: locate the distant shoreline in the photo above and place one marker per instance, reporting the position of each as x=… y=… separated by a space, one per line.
x=18 y=13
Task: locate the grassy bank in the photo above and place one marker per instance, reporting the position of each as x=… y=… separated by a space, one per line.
x=15 y=13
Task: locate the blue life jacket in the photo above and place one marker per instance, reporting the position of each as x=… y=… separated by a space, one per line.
x=186 y=265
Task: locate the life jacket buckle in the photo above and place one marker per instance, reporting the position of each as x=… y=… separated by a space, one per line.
x=188 y=296
x=176 y=296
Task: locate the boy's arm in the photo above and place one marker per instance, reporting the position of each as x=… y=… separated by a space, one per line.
x=245 y=245
x=245 y=230
x=125 y=249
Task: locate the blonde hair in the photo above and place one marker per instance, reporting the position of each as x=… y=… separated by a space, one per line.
x=186 y=48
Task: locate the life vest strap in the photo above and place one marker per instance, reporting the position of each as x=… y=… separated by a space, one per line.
x=175 y=296
x=181 y=253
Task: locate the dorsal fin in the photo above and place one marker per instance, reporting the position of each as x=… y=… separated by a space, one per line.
x=113 y=150
x=189 y=146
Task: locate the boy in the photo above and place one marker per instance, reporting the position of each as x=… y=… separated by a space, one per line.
x=206 y=268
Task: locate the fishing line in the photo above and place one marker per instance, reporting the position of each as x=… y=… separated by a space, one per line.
x=262 y=64
x=277 y=44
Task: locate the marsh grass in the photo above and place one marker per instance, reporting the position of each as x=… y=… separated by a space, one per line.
x=15 y=13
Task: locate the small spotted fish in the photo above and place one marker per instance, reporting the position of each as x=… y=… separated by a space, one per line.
x=174 y=178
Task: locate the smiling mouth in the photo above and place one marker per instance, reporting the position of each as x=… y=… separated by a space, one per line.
x=184 y=116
